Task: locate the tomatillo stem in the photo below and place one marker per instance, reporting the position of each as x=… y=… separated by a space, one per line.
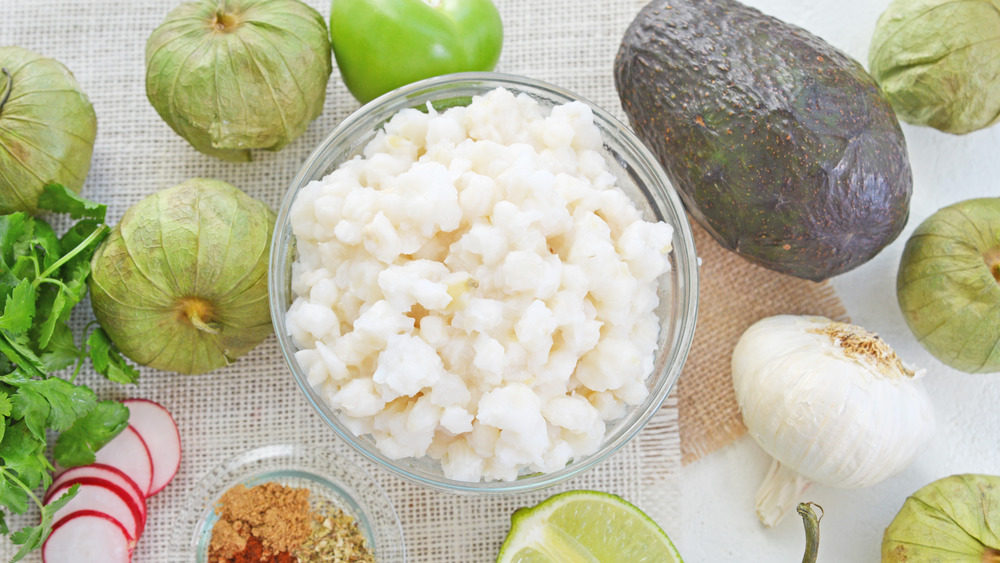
x=224 y=21
x=811 y=522
x=992 y=259
x=199 y=313
x=8 y=85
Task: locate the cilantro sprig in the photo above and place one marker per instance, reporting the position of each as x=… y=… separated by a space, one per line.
x=42 y=277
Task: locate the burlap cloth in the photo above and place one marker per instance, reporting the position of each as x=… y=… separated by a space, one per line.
x=255 y=401
x=734 y=294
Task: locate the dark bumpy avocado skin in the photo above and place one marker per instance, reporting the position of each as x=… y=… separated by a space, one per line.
x=782 y=147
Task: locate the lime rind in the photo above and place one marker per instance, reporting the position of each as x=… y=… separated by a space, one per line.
x=585 y=527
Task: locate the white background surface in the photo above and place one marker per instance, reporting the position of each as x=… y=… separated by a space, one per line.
x=718 y=517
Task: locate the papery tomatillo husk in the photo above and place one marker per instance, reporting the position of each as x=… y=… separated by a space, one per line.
x=948 y=284
x=938 y=62
x=181 y=282
x=47 y=129
x=235 y=75
x=954 y=519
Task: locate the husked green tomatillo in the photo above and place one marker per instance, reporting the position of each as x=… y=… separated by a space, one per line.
x=954 y=519
x=47 y=129
x=181 y=283
x=235 y=75
x=938 y=62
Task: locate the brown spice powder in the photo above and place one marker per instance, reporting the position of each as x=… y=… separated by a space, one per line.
x=278 y=516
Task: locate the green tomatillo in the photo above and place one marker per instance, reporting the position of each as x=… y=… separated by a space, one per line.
x=234 y=75
x=948 y=285
x=181 y=282
x=938 y=62
x=47 y=129
x=381 y=45
x=954 y=519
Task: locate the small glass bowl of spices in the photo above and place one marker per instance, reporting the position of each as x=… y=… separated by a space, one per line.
x=288 y=504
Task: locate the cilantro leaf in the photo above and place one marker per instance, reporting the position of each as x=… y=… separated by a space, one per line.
x=21 y=255
x=42 y=278
x=5 y=406
x=12 y=229
x=75 y=273
x=56 y=309
x=18 y=350
x=13 y=496
x=45 y=244
x=79 y=232
x=61 y=200
x=8 y=282
x=19 y=309
x=24 y=265
x=56 y=504
x=61 y=350
x=31 y=538
x=90 y=433
x=58 y=299
x=32 y=408
x=66 y=402
x=107 y=360
x=23 y=454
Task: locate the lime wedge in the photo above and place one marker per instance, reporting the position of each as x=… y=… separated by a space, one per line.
x=585 y=527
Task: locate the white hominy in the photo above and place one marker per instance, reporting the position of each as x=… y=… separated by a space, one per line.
x=476 y=289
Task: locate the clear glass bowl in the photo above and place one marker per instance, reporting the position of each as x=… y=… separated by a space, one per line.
x=639 y=175
x=328 y=477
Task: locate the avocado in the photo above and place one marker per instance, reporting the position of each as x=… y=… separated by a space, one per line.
x=781 y=146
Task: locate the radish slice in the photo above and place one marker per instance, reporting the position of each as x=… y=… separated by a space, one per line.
x=128 y=453
x=100 y=475
x=159 y=431
x=100 y=471
x=88 y=537
x=103 y=497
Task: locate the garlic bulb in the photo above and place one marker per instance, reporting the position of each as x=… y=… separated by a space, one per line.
x=830 y=402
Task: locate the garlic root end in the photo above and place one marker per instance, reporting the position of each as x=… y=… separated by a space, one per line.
x=779 y=493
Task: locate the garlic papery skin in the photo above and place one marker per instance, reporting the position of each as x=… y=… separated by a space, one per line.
x=830 y=402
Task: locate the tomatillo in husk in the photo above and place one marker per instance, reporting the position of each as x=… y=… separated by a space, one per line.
x=381 y=45
x=47 y=129
x=181 y=282
x=235 y=75
x=938 y=62
x=948 y=285
x=954 y=519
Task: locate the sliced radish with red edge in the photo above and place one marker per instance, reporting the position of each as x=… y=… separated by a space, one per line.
x=157 y=428
x=128 y=453
x=100 y=471
x=104 y=497
x=130 y=511
x=88 y=537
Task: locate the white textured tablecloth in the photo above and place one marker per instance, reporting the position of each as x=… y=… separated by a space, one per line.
x=256 y=402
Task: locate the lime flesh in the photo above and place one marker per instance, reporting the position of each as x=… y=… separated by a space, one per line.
x=585 y=527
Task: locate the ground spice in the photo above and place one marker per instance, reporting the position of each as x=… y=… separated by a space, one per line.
x=271 y=523
x=262 y=524
x=335 y=538
x=253 y=552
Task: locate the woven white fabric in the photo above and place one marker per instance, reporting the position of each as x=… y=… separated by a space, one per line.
x=571 y=43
